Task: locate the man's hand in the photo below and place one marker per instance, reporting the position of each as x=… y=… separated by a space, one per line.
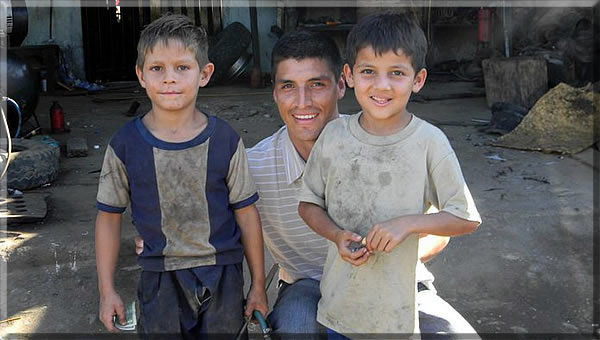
x=139 y=245
x=110 y=305
x=257 y=300
x=343 y=238
x=386 y=235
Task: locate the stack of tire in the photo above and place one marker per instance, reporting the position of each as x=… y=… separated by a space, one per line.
x=226 y=48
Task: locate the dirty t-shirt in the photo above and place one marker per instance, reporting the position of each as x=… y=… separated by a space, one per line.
x=182 y=195
x=361 y=179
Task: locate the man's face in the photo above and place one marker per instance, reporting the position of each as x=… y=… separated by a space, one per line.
x=306 y=93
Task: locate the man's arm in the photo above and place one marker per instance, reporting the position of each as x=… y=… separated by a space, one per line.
x=108 y=235
x=252 y=240
x=431 y=245
x=387 y=235
x=319 y=221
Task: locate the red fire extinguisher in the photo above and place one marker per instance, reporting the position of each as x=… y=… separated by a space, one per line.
x=57 y=118
x=483 y=27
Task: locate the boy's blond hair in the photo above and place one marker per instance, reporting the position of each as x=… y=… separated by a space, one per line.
x=177 y=27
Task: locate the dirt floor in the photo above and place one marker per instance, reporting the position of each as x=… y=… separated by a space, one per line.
x=527 y=269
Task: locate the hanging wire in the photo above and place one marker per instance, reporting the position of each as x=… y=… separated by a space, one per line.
x=9 y=145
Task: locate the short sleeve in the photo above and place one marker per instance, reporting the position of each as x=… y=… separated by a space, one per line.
x=448 y=190
x=313 y=186
x=242 y=191
x=113 y=186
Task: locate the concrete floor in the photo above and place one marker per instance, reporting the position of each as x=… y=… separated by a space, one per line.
x=527 y=269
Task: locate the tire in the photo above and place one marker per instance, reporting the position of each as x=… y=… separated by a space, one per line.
x=32 y=164
x=230 y=44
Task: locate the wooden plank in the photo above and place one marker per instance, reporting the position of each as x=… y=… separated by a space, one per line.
x=519 y=80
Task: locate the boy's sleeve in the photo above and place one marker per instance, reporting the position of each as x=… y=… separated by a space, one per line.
x=448 y=190
x=313 y=184
x=242 y=191
x=113 y=186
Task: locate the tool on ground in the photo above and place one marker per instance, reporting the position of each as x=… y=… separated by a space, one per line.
x=256 y=314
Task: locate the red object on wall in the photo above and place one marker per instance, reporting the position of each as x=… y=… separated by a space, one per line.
x=57 y=118
x=483 y=27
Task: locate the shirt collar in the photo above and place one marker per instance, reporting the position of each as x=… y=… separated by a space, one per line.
x=294 y=164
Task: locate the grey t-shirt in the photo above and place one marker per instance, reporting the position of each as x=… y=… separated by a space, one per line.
x=360 y=180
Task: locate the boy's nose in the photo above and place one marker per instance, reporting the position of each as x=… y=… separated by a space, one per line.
x=170 y=76
x=383 y=82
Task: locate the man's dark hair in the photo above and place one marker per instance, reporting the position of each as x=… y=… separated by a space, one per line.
x=305 y=44
x=385 y=32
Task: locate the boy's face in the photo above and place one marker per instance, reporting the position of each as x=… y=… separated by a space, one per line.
x=171 y=76
x=306 y=93
x=383 y=84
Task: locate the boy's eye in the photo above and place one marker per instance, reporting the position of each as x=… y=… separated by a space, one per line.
x=317 y=84
x=155 y=68
x=183 y=67
x=287 y=86
x=366 y=71
x=397 y=73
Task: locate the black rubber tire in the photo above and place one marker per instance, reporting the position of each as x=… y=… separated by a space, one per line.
x=229 y=46
x=32 y=164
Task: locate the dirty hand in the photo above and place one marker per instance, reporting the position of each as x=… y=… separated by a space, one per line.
x=111 y=304
x=257 y=300
x=139 y=244
x=386 y=235
x=342 y=240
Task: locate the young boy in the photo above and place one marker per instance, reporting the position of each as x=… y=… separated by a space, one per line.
x=192 y=198
x=374 y=175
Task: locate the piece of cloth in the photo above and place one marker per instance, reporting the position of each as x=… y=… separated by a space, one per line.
x=198 y=303
x=294 y=315
x=361 y=179
x=182 y=195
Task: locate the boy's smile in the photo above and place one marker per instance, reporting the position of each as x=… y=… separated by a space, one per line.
x=171 y=76
x=382 y=86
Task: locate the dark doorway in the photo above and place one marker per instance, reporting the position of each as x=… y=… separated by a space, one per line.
x=111 y=34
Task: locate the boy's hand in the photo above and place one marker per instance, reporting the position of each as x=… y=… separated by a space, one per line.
x=139 y=244
x=386 y=235
x=343 y=238
x=257 y=300
x=111 y=304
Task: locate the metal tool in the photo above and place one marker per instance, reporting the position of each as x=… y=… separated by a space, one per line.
x=256 y=314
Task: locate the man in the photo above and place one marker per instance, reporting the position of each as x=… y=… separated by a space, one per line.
x=307 y=84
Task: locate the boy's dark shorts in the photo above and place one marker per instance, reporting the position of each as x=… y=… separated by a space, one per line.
x=200 y=302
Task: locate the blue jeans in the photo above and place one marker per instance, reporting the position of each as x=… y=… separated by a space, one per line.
x=439 y=320
x=295 y=312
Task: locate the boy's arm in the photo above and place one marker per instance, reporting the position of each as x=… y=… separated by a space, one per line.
x=319 y=221
x=108 y=234
x=431 y=245
x=252 y=240
x=386 y=235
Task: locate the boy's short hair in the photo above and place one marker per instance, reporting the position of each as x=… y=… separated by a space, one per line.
x=386 y=32
x=306 y=44
x=173 y=26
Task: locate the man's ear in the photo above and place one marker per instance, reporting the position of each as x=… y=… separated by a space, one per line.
x=205 y=73
x=348 y=75
x=140 y=76
x=419 y=80
x=341 y=86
